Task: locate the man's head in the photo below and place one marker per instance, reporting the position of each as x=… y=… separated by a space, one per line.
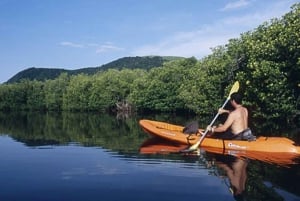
x=237 y=97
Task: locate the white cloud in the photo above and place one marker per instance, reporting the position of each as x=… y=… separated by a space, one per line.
x=71 y=44
x=107 y=48
x=92 y=45
x=253 y=19
x=199 y=42
x=235 y=5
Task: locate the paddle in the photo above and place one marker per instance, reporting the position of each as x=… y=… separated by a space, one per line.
x=234 y=89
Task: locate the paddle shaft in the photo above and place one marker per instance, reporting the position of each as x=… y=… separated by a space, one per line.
x=212 y=122
x=234 y=89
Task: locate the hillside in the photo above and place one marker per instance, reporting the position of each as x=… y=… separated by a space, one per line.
x=42 y=74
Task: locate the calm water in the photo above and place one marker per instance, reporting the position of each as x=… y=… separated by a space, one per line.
x=87 y=157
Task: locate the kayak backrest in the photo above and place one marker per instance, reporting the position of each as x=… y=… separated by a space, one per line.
x=191 y=128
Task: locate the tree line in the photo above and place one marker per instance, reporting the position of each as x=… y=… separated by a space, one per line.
x=266 y=62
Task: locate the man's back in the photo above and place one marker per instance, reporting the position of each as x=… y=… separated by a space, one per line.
x=239 y=118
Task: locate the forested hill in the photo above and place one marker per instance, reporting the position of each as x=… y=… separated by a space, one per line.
x=42 y=74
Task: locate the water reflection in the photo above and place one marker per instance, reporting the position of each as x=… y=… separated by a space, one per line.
x=236 y=171
x=86 y=129
x=233 y=168
x=246 y=178
x=113 y=140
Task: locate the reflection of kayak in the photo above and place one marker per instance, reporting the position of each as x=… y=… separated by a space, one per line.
x=162 y=146
x=268 y=157
x=175 y=133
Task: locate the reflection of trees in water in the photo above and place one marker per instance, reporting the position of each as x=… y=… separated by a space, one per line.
x=88 y=129
x=125 y=136
x=285 y=178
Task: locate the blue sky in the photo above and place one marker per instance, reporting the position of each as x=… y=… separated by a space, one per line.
x=74 y=34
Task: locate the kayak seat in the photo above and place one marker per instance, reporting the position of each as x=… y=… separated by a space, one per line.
x=191 y=128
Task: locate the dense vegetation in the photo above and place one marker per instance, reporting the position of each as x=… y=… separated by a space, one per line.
x=265 y=60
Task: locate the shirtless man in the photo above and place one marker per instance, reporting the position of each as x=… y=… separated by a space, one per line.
x=237 y=121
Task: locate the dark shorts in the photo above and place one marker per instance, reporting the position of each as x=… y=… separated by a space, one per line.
x=244 y=135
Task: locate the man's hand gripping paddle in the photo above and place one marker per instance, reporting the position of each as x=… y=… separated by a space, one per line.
x=234 y=89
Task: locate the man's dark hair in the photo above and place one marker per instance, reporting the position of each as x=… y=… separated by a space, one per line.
x=237 y=97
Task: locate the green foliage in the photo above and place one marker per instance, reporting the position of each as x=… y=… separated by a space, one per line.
x=266 y=61
x=26 y=95
x=272 y=68
x=111 y=86
x=203 y=89
x=35 y=99
x=159 y=89
x=77 y=93
x=54 y=91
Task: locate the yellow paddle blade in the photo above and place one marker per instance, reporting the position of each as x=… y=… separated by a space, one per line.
x=195 y=146
x=234 y=88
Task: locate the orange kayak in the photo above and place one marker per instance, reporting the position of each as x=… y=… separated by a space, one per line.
x=175 y=133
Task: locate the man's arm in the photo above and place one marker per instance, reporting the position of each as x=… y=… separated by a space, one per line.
x=225 y=126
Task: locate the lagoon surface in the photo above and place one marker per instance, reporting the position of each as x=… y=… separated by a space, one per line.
x=87 y=157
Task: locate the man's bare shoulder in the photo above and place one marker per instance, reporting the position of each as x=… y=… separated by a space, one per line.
x=237 y=113
x=234 y=112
